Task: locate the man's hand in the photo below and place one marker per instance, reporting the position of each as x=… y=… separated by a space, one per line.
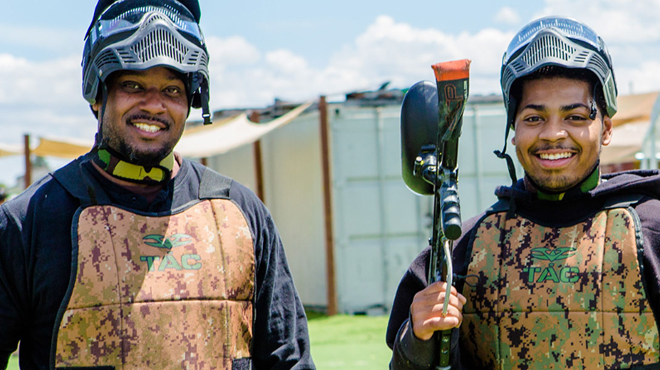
x=426 y=310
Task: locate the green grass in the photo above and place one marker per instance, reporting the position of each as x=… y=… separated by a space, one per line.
x=338 y=342
x=349 y=342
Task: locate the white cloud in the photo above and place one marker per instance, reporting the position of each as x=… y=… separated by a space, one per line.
x=48 y=83
x=631 y=31
x=286 y=62
x=42 y=98
x=507 y=15
x=634 y=21
x=403 y=54
x=234 y=50
x=386 y=51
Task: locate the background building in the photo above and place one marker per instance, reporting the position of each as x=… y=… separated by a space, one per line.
x=378 y=225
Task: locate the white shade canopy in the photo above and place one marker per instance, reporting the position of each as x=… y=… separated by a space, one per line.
x=207 y=141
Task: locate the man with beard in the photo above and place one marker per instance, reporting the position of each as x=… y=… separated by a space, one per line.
x=563 y=272
x=131 y=256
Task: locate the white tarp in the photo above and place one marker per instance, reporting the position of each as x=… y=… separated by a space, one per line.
x=213 y=140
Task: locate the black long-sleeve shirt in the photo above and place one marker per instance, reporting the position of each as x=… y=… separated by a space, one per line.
x=410 y=353
x=35 y=265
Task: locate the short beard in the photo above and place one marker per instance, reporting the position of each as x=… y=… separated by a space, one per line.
x=148 y=159
x=560 y=184
x=553 y=183
x=130 y=154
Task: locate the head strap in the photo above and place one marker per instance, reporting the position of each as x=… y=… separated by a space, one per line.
x=502 y=154
x=593 y=110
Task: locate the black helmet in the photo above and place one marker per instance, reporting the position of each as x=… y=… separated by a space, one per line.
x=554 y=41
x=562 y=42
x=141 y=34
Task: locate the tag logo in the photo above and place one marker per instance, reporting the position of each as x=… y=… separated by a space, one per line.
x=553 y=255
x=170 y=261
x=566 y=274
x=174 y=241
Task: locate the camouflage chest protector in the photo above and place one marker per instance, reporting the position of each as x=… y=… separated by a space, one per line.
x=560 y=297
x=153 y=291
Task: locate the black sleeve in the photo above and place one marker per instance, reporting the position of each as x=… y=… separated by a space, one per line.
x=648 y=213
x=35 y=264
x=408 y=352
x=281 y=339
x=12 y=283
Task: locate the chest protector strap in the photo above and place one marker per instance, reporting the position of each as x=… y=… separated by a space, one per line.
x=560 y=297
x=152 y=291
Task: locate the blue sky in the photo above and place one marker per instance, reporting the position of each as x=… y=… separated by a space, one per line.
x=314 y=31
x=297 y=50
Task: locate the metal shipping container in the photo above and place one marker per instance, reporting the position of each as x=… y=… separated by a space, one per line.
x=379 y=225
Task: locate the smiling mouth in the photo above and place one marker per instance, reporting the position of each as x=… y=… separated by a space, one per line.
x=147 y=127
x=555 y=156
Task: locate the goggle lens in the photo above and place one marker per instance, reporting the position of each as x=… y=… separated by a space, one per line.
x=568 y=27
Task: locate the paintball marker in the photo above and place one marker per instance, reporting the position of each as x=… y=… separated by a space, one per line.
x=431 y=120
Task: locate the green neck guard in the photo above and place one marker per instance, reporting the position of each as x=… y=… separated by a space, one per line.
x=134 y=173
x=586 y=185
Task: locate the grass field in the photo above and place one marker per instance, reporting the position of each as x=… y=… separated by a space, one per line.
x=339 y=342
x=349 y=342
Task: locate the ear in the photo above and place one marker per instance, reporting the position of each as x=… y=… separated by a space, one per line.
x=513 y=140
x=606 y=137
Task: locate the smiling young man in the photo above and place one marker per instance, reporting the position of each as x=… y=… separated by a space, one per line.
x=131 y=257
x=563 y=272
x=557 y=142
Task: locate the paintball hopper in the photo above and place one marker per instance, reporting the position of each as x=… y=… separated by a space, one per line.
x=419 y=131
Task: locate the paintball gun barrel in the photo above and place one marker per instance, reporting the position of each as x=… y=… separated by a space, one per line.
x=431 y=120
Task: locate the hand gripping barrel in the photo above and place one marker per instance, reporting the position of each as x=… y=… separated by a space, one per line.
x=431 y=120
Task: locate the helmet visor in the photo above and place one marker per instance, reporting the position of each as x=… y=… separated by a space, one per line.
x=568 y=27
x=125 y=16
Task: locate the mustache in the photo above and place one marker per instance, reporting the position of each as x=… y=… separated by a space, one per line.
x=538 y=148
x=147 y=117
